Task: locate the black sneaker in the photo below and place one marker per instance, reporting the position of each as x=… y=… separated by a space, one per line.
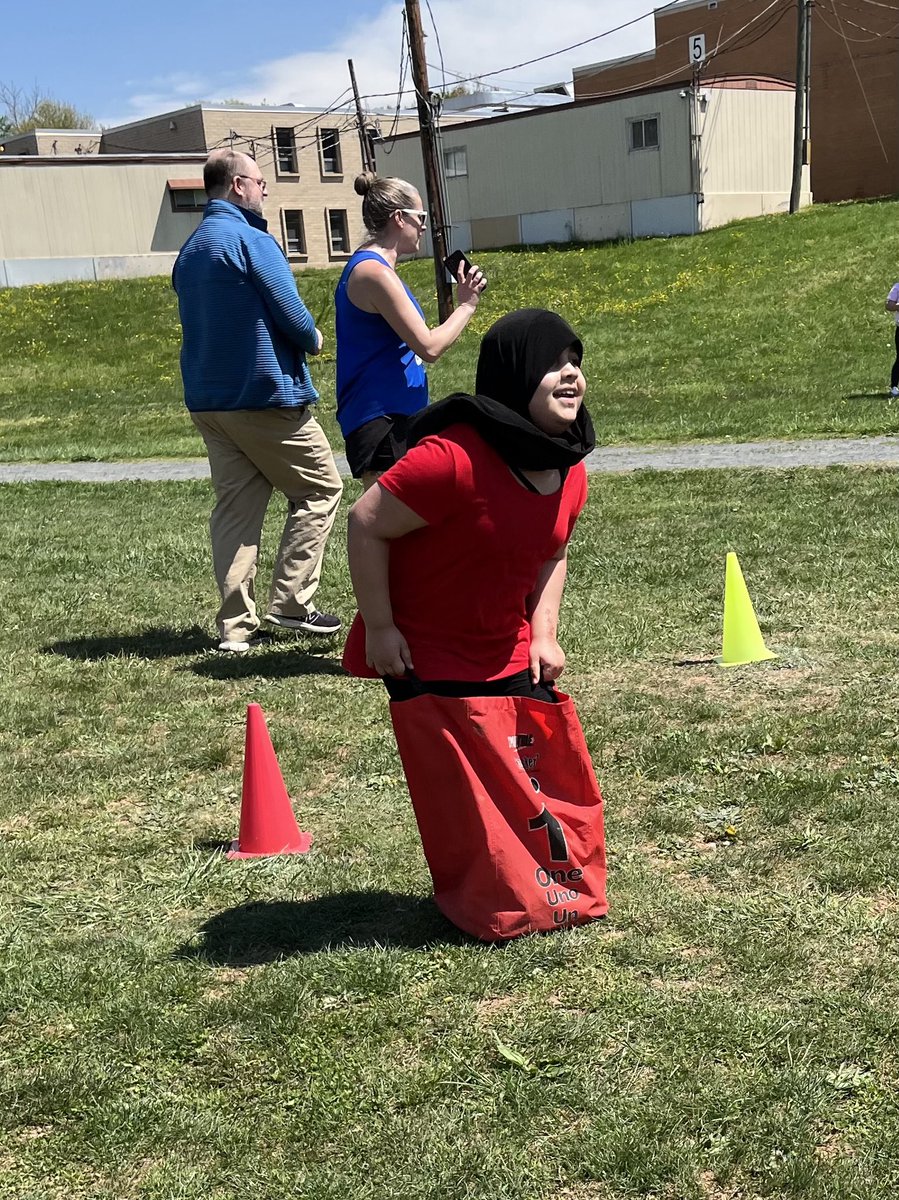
x=313 y=622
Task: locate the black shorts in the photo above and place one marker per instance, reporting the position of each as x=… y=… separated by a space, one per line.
x=518 y=684
x=377 y=444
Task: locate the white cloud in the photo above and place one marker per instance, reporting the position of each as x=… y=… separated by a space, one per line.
x=476 y=38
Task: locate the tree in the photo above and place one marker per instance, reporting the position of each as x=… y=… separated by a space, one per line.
x=22 y=111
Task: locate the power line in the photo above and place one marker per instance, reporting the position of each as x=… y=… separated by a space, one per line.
x=772 y=24
x=404 y=62
x=859 y=78
x=439 y=47
x=875 y=34
x=681 y=70
x=541 y=58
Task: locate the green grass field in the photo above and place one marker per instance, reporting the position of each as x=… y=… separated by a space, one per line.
x=766 y=328
x=181 y=1027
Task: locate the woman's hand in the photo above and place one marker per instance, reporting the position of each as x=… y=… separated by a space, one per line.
x=387 y=652
x=471 y=285
x=547 y=660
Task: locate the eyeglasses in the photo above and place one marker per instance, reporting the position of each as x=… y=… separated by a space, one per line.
x=253 y=179
x=416 y=212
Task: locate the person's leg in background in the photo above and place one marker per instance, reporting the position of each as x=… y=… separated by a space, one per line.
x=235 y=526
x=894 y=374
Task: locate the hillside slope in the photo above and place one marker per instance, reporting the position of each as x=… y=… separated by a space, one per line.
x=772 y=327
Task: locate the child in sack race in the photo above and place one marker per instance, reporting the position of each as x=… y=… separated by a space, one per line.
x=458 y=558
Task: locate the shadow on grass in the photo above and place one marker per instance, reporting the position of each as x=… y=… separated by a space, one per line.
x=253 y=934
x=880 y=394
x=280 y=662
x=161 y=642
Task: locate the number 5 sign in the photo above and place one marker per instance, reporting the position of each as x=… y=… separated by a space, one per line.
x=697 y=49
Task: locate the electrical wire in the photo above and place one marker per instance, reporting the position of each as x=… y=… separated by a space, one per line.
x=680 y=71
x=405 y=52
x=439 y=47
x=859 y=79
x=875 y=34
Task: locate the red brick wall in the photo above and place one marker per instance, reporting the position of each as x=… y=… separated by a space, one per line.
x=855 y=153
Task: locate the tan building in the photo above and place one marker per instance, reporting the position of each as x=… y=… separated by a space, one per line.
x=658 y=162
x=309 y=160
x=52 y=142
x=854 y=98
x=95 y=217
x=126 y=205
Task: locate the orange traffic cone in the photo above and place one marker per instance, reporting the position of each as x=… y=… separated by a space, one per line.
x=267 y=823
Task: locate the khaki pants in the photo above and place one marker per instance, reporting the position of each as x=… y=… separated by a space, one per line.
x=251 y=454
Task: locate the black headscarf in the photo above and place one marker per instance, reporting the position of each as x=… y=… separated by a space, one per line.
x=516 y=352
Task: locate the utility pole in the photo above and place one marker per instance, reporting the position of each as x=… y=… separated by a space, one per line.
x=367 y=163
x=430 y=157
x=800 y=142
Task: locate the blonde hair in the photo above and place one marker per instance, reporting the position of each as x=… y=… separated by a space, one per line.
x=381 y=197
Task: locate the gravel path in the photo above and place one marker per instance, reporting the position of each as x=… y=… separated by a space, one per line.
x=825 y=452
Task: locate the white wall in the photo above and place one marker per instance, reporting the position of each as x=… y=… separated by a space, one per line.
x=568 y=174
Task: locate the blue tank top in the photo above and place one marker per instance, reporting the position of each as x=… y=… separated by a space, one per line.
x=377 y=373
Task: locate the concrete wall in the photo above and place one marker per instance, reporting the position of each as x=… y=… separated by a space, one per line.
x=20 y=272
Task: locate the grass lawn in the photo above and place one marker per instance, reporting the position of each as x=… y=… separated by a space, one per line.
x=178 y=1026
x=766 y=328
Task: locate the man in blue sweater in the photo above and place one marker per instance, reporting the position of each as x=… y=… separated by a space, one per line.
x=246 y=334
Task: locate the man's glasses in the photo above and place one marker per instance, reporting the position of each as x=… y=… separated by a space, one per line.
x=416 y=212
x=253 y=179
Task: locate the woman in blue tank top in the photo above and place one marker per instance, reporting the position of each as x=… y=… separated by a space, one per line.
x=382 y=336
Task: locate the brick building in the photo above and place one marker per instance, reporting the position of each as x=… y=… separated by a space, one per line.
x=309 y=159
x=854 y=77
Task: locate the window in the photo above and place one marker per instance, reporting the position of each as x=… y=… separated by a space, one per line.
x=455 y=162
x=644 y=133
x=329 y=151
x=187 y=195
x=338 y=235
x=294 y=233
x=286 y=151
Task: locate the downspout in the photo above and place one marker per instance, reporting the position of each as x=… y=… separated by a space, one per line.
x=695 y=151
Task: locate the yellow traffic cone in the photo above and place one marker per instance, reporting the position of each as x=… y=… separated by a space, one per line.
x=742 y=641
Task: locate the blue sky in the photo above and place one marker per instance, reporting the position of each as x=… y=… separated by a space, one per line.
x=125 y=60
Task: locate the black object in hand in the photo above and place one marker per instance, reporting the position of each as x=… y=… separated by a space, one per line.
x=452 y=263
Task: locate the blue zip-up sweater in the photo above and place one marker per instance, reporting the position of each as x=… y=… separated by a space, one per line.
x=245 y=328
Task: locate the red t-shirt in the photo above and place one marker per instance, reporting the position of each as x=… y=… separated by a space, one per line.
x=459 y=586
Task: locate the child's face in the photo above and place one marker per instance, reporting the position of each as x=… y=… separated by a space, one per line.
x=559 y=395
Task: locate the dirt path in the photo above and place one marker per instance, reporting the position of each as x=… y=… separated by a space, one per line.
x=827 y=452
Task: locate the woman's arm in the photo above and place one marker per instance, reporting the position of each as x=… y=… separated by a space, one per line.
x=374 y=522
x=547 y=658
x=376 y=288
